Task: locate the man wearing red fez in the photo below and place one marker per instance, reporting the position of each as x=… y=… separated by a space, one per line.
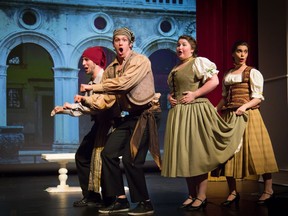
x=130 y=78
x=93 y=62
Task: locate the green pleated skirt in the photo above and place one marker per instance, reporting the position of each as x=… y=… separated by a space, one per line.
x=197 y=139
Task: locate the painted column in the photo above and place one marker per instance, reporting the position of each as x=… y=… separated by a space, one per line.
x=66 y=128
x=11 y=137
x=3 y=89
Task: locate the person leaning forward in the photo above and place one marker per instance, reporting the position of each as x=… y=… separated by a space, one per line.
x=93 y=62
x=129 y=77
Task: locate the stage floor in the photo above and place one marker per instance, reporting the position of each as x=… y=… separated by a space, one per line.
x=25 y=195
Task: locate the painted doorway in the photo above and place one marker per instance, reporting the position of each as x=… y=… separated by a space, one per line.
x=30 y=89
x=162 y=61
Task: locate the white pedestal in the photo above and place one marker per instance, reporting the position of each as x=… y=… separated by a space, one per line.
x=62 y=159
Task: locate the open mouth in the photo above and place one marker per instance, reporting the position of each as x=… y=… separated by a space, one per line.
x=120 y=49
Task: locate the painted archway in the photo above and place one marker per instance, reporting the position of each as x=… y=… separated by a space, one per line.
x=61 y=134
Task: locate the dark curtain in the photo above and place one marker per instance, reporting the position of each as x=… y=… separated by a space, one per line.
x=219 y=24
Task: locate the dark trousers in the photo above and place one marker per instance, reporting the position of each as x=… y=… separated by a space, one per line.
x=83 y=160
x=118 y=144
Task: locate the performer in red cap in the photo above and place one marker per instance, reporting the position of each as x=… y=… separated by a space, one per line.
x=93 y=62
x=95 y=54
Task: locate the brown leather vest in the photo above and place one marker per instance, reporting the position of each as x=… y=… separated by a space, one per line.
x=239 y=93
x=141 y=95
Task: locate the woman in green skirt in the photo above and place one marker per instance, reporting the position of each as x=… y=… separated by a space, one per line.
x=196 y=139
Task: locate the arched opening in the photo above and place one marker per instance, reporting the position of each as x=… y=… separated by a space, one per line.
x=30 y=89
x=162 y=60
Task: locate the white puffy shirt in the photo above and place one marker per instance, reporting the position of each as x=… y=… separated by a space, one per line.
x=256 y=83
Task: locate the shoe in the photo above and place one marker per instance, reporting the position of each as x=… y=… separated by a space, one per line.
x=184 y=206
x=109 y=200
x=263 y=202
x=143 y=208
x=88 y=202
x=196 y=208
x=228 y=203
x=115 y=207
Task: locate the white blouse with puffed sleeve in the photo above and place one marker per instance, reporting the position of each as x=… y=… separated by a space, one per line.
x=256 y=83
x=204 y=68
